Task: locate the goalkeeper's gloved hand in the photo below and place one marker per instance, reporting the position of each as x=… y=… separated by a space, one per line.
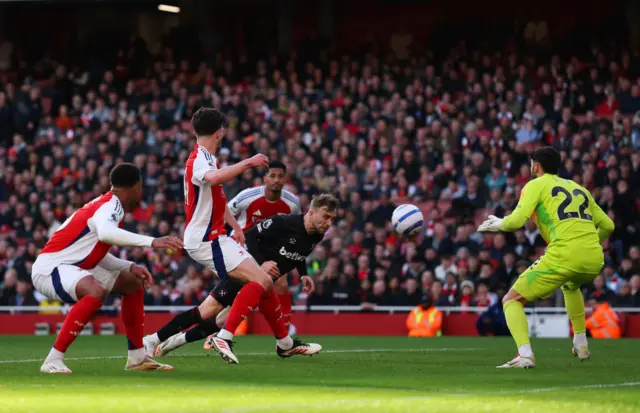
x=491 y=225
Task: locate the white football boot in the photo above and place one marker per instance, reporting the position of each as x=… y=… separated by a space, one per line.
x=519 y=363
x=149 y=345
x=582 y=352
x=299 y=348
x=174 y=342
x=54 y=366
x=224 y=347
x=147 y=364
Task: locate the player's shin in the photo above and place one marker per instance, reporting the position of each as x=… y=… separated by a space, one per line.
x=271 y=309
x=285 y=303
x=179 y=323
x=73 y=324
x=574 y=303
x=202 y=331
x=133 y=320
x=518 y=326
x=246 y=301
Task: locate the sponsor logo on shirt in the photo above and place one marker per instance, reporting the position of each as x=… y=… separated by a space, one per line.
x=294 y=256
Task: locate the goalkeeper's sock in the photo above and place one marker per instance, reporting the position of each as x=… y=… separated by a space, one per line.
x=518 y=326
x=574 y=303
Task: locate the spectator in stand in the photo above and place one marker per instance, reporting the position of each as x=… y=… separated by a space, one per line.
x=624 y=297
x=425 y=320
x=156 y=297
x=600 y=291
x=8 y=291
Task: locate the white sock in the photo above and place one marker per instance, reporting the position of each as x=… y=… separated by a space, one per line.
x=137 y=356
x=55 y=355
x=181 y=339
x=285 y=343
x=153 y=338
x=225 y=335
x=525 y=350
x=579 y=339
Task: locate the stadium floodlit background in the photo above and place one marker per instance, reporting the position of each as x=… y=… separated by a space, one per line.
x=380 y=102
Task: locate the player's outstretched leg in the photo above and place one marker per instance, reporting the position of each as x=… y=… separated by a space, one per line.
x=171 y=337
x=286 y=346
x=574 y=303
x=257 y=284
x=92 y=296
x=281 y=287
x=132 y=313
x=513 y=305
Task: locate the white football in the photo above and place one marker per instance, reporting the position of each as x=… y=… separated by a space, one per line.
x=407 y=219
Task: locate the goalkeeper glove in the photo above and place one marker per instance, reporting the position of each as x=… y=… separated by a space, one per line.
x=491 y=225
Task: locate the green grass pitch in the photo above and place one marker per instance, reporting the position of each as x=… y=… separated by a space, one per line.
x=353 y=374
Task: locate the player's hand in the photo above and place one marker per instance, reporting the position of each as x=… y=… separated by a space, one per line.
x=168 y=242
x=238 y=235
x=308 y=286
x=143 y=274
x=271 y=268
x=258 y=160
x=492 y=224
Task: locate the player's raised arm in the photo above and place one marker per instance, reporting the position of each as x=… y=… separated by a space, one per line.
x=529 y=198
x=601 y=220
x=224 y=175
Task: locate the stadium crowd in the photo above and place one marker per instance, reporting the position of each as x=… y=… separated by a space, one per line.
x=451 y=134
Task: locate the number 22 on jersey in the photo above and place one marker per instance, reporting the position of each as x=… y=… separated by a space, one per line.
x=563 y=213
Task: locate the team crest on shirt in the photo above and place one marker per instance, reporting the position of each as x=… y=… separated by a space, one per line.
x=267 y=223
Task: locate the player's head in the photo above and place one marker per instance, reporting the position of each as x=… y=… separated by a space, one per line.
x=545 y=160
x=209 y=124
x=126 y=182
x=274 y=179
x=323 y=212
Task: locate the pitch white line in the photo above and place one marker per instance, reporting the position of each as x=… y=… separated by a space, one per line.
x=440 y=393
x=364 y=350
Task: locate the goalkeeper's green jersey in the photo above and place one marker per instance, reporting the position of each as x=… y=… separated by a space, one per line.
x=568 y=218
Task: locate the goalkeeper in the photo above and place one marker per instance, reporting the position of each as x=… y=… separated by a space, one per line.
x=573 y=226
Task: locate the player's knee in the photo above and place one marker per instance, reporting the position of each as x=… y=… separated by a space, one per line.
x=281 y=286
x=89 y=286
x=265 y=281
x=209 y=308
x=98 y=292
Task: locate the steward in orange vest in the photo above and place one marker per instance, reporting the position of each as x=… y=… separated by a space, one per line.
x=604 y=322
x=425 y=320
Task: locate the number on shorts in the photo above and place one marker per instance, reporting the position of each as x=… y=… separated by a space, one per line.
x=563 y=213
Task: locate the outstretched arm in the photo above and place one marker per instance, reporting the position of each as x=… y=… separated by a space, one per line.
x=529 y=198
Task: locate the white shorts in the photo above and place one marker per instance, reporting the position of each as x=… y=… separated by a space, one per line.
x=221 y=255
x=61 y=283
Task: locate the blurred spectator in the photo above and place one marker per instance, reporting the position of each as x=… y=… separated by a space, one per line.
x=425 y=320
x=604 y=322
x=492 y=322
x=156 y=297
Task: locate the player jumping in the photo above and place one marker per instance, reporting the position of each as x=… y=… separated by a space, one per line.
x=254 y=205
x=280 y=244
x=206 y=240
x=573 y=225
x=75 y=267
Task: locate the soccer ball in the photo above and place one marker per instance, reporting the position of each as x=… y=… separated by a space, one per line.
x=407 y=219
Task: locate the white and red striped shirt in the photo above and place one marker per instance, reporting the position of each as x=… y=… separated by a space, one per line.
x=251 y=207
x=85 y=238
x=204 y=204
